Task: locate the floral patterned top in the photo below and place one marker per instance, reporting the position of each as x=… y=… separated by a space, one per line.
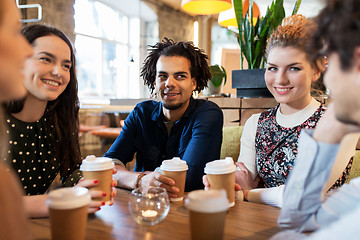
x=276 y=147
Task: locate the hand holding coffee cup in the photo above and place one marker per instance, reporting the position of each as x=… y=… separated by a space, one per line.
x=244 y=178
x=176 y=169
x=156 y=179
x=68 y=213
x=96 y=195
x=221 y=175
x=100 y=170
x=239 y=193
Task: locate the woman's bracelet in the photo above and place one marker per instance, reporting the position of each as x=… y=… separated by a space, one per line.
x=138 y=179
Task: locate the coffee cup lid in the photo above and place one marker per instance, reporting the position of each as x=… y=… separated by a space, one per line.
x=68 y=198
x=92 y=163
x=210 y=201
x=221 y=166
x=174 y=164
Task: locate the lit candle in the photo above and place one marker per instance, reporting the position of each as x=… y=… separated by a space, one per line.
x=149 y=215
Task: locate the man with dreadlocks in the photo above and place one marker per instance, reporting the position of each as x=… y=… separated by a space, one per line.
x=176 y=126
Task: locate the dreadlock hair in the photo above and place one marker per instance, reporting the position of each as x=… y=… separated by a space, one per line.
x=199 y=67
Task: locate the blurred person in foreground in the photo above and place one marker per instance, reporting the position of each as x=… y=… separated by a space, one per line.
x=304 y=207
x=14 y=50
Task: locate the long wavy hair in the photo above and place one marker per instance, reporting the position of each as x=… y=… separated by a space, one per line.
x=62 y=111
x=296 y=31
x=199 y=68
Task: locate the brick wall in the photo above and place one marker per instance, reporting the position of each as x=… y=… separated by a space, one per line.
x=56 y=13
x=175 y=25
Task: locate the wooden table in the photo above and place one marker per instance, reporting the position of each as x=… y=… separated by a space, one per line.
x=87 y=128
x=249 y=221
x=110 y=133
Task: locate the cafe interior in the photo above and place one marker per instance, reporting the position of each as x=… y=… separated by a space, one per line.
x=119 y=33
x=111 y=38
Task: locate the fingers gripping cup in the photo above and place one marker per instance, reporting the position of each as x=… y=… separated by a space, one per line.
x=207 y=211
x=100 y=168
x=176 y=169
x=221 y=175
x=68 y=213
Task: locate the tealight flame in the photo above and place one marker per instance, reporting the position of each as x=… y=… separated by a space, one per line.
x=149 y=213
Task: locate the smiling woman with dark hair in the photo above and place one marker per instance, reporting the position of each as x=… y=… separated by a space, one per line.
x=51 y=94
x=43 y=127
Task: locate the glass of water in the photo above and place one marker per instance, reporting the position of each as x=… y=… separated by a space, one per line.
x=150 y=207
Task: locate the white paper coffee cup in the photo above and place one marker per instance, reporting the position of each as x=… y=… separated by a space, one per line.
x=207 y=213
x=210 y=201
x=221 y=175
x=100 y=168
x=92 y=163
x=68 y=212
x=68 y=198
x=174 y=164
x=176 y=169
x=221 y=166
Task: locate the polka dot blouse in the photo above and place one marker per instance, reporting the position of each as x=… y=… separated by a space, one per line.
x=31 y=154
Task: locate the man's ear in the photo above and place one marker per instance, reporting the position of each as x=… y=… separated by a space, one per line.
x=357 y=58
x=194 y=85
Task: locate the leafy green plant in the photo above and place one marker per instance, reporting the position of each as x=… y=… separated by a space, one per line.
x=252 y=37
x=218 y=74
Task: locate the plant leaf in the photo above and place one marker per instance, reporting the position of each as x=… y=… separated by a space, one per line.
x=225 y=75
x=252 y=38
x=296 y=7
x=238 y=8
x=218 y=75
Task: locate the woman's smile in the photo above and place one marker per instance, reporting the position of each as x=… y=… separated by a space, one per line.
x=51 y=82
x=283 y=90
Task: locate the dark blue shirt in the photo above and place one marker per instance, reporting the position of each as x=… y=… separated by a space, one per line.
x=195 y=138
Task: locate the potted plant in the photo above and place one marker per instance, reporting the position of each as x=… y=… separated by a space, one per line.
x=252 y=40
x=217 y=81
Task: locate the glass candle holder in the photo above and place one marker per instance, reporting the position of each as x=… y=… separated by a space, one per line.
x=149 y=208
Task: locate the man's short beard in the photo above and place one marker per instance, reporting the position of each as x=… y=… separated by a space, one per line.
x=172 y=106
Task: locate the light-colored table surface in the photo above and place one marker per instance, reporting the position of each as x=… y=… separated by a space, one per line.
x=248 y=221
